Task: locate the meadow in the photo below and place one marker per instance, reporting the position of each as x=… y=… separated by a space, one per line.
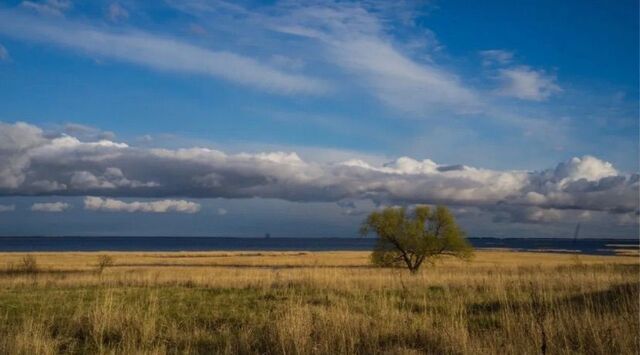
x=317 y=303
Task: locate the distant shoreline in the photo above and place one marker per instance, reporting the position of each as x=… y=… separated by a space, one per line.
x=595 y=246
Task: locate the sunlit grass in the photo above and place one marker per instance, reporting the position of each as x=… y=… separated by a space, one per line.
x=325 y=303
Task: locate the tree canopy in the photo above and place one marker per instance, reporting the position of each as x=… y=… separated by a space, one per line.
x=410 y=239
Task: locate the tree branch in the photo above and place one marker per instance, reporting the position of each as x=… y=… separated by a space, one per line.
x=402 y=251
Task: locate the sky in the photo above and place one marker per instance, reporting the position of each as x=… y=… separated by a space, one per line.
x=214 y=118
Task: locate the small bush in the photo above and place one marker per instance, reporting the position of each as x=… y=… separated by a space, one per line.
x=104 y=261
x=29 y=264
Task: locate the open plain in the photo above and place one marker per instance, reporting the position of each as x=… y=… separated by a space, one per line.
x=316 y=303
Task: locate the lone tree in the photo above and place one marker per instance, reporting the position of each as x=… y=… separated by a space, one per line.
x=410 y=240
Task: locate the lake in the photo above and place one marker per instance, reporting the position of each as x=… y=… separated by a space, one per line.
x=36 y=244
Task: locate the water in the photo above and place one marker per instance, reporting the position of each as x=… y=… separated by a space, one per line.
x=34 y=244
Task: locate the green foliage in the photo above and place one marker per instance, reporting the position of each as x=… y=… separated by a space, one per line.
x=410 y=240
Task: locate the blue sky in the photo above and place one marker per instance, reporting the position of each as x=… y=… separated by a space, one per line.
x=523 y=117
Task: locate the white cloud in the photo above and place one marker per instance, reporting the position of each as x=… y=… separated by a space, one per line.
x=7 y=208
x=87 y=133
x=158 y=52
x=64 y=165
x=50 y=207
x=46 y=185
x=402 y=83
x=369 y=47
x=519 y=81
x=354 y=39
x=588 y=168
x=48 y=7
x=15 y=141
x=496 y=56
x=544 y=215
x=221 y=211
x=526 y=83
x=540 y=215
x=162 y=206
x=111 y=178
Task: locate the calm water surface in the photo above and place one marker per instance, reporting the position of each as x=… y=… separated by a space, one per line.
x=586 y=246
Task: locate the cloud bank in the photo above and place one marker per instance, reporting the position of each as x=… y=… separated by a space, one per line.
x=7 y=208
x=32 y=163
x=50 y=207
x=163 y=206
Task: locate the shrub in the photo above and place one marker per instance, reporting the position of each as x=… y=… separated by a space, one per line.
x=104 y=261
x=29 y=264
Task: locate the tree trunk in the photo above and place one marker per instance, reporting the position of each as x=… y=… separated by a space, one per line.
x=413 y=269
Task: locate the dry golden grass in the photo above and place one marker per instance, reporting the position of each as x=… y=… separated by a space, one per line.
x=317 y=303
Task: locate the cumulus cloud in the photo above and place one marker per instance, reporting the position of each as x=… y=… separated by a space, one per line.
x=526 y=83
x=15 y=142
x=111 y=178
x=50 y=207
x=158 y=52
x=221 y=211
x=162 y=206
x=7 y=208
x=84 y=132
x=33 y=164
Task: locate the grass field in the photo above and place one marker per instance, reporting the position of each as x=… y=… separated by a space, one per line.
x=317 y=303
